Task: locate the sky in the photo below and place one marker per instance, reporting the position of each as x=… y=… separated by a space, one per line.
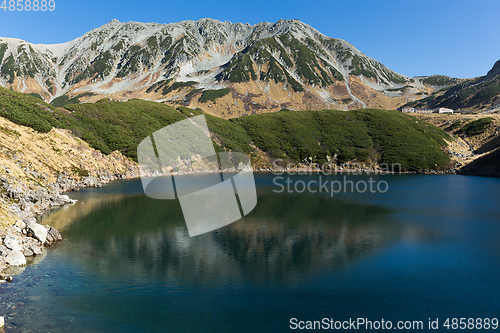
x=455 y=38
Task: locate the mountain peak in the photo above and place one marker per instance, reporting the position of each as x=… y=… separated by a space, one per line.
x=495 y=70
x=285 y=64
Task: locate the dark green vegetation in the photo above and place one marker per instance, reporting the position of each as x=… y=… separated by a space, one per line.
x=28 y=63
x=363 y=66
x=9 y=69
x=158 y=85
x=363 y=135
x=402 y=89
x=64 y=100
x=121 y=126
x=36 y=95
x=80 y=172
x=132 y=60
x=476 y=127
x=29 y=111
x=100 y=67
x=177 y=86
x=455 y=125
x=359 y=66
x=284 y=56
x=212 y=95
x=403 y=139
x=240 y=69
x=439 y=80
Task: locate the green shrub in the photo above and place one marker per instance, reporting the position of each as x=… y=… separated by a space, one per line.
x=477 y=127
x=455 y=125
x=363 y=135
x=439 y=80
x=177 y=86
x=64 y=100
x=80 y=172
x=36 y=95
x=212 y=95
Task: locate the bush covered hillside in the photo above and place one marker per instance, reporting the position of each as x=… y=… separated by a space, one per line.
x=361 y=135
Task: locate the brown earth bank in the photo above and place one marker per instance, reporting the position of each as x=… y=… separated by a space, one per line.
x=35 y=169
x=477 y=155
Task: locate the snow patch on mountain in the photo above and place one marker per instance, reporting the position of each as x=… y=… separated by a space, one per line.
x=131 y=56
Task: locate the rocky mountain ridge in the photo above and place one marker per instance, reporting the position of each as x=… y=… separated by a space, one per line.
x=227 y=69
x=481 y=94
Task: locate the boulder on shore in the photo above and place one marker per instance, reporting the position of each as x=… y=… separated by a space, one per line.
x=15 y=258
x=11 y=243
x=36 y=249
x=56 y=236
x=62 y=200
x=38 y=231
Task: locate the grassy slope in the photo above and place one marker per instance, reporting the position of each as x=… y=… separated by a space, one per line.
x=364 y=135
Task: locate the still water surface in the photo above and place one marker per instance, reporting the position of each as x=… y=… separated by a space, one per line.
x=428 y=248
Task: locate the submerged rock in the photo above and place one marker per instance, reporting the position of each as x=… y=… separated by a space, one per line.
x=37 y=250
x=62 y=200
x=53 y=236
x=56 y=235
x=49 y=241
x=5 y=277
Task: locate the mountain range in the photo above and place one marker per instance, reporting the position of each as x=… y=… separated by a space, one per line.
x=468 y=95
x=226 y=69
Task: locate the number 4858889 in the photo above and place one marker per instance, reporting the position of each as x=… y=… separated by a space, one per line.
x=28 y=5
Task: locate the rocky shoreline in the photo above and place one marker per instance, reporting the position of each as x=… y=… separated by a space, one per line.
x=26 y=239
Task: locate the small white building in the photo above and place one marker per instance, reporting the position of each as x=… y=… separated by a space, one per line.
x=444 y=110
x=407 y=109
x=424 y=110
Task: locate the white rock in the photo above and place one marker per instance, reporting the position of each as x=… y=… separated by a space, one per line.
x=63 y=199
x=28 y=221
x=16 y=258
x=12 y=243
x=37 y=250
x=39 y=232
x=2 y=321
x=20 y=224
x=4 y=251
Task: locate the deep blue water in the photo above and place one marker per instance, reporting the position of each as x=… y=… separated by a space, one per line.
x=427 y=248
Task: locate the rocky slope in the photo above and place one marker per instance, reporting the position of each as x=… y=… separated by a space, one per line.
x=480 y=94
x=35 y=169
x=473 y=152
x=227 y=69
